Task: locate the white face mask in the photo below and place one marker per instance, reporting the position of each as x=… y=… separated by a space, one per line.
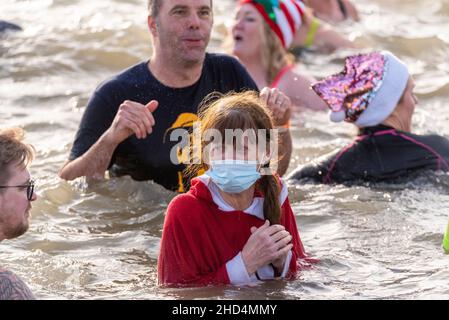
x=233 y=176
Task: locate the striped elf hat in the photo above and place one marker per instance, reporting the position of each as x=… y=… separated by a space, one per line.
x=283 y=16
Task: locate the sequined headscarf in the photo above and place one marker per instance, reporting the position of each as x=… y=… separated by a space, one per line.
x=368 y=89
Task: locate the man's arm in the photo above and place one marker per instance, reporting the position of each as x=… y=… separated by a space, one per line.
x=132 y=118
x=325 y=37
x=12 y=288
x=93 y=163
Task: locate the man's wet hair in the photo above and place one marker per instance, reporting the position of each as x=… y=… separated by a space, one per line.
x=154 y=6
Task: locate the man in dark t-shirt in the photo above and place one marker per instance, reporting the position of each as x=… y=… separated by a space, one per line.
x=149 y=158
x=128 y=122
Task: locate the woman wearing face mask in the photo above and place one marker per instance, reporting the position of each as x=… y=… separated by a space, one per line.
x=262 y=33
x=375 y=92
x=234 y=226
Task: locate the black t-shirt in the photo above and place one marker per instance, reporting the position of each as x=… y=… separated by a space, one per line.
x=149 y=159
x=379 y=153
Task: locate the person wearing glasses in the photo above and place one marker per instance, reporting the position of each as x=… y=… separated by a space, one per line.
x=16 y=195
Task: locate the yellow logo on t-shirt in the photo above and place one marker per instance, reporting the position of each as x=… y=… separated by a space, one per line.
x=183 y=151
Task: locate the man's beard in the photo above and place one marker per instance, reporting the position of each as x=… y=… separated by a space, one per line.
x=190 y=62
x=180 y=55
x=17 y=230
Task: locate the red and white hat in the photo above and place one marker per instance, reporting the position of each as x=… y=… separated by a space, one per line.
x=283 y=16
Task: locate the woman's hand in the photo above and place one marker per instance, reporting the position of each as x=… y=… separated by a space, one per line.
x=279 y=104
x=278 y=264
x=267 y=244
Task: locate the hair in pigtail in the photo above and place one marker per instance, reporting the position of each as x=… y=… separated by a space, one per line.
x=269 y=186
x=239 y=111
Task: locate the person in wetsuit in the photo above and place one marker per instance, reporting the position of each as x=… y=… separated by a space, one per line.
x=334 y=11
x=375 y=92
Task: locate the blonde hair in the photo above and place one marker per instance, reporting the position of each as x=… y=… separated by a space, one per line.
x=274 y=56
x=13 y=152
x=240 y=111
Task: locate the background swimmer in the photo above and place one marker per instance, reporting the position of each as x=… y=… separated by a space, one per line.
x=375 y=92
x=262 y=48
x=334 y=11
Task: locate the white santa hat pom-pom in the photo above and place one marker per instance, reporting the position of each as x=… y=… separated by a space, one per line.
x=338 y=116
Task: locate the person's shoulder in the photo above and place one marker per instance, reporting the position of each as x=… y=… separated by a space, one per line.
x=439 y=143
x=124 y=79
x=434 y=140
x=184 y=207
x=294 y=74
x=436 y=137
x=316 y=169
x=225 y=62
x=12 y=287
x=291 y=79
x=229 y=68
x=222 y=58
x=184 y=200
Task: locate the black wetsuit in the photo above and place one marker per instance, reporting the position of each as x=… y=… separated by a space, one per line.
x=149 y=159
x=379 y=153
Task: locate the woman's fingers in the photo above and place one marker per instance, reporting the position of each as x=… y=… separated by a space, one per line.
x=280 y=235
x=284 y=251
x=271 y=230
x=283 y=242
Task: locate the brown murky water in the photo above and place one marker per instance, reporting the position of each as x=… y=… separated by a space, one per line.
x=102 y=241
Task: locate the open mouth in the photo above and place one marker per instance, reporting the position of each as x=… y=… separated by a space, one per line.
x=238 y=38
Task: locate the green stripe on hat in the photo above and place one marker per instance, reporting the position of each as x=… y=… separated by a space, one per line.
x=269 y=6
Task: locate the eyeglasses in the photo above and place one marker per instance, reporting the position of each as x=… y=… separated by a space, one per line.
x=29 y=187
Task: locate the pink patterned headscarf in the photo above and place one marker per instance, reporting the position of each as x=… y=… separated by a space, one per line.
x=352 y=89
x=367 y=91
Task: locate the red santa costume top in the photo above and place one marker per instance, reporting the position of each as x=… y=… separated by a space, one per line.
x=203 y=238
